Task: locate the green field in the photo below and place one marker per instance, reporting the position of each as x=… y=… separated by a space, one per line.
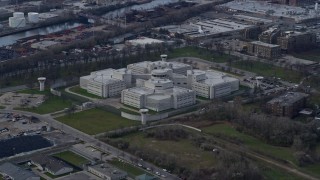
x=95 y=121
x=130 y=169
x=198 y=53
x=72 y=158
x=185 y=152
x=312 y=55
x=51 y=104
x=78 y=90
x=2 y=107
x=252 y=142
x=268 y=70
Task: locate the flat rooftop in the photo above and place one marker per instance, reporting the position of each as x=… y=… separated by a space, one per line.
x=288 y=98
x=209 y=27
x=145 y=40
x=264 y=44
x=261 y=7
x=109 y=170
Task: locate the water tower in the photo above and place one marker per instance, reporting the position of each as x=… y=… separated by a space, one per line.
x=164 y=57
x=144 y=113
x=41 y=80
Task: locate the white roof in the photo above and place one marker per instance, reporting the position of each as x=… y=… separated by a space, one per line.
x=145 y=40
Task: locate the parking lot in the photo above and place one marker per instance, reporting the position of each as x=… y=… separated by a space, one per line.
x=21 y=100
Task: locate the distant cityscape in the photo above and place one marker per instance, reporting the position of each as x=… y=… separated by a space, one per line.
x=159 y=89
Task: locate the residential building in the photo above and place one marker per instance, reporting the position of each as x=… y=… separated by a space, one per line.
x=264 y=50
x=297 y=41
x=52 y=165
x=270 y=36
x=288 y=104
x=107 y=171
x=16 y=172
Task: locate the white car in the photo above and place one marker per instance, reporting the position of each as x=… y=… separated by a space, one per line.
x=157 y=173
x=164 y=170
x=140 y=165
x=163 y=176
x=148 y=169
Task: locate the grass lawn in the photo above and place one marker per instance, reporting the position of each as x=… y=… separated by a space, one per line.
x=268 y=70
x=130 y=169
x=199 y=53
x=95 y=121
x=78 y=90
x=72 y=158
x=52 y=103
x=312 y=55
x=185 y=152
x=252 y=142
x=2 y=107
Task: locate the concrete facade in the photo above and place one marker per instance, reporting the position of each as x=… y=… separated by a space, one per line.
x=159 y=85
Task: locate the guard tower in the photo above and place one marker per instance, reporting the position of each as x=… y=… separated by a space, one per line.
x=41 y=80
x=164 y=57
x=144 y=113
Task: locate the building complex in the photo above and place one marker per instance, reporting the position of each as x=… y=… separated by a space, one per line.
x=159 y=85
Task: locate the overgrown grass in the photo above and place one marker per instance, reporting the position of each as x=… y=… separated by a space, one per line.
x=268 y=70
x=79 y=90
x=130 y=169
x=72 y=158
x=198 y=53
x=95 y=121
x=253 y=143
x=185 y=152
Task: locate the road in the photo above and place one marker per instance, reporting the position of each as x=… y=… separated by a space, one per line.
x=90 y=139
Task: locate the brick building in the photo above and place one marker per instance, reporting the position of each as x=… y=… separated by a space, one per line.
x=288 y=104
x=264 y=50
x=270 y=36
x=297 y=41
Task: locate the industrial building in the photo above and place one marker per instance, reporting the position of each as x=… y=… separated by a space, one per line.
x=143 y=41
x=297 y=41
x=107 y=171
x=288 y=104
x=210 y=28
x=264 y=50
x=159 y=85
x=16 y=172
x=50 y=164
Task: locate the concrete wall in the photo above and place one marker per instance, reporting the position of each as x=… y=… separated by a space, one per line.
x=151 y=117
x=131 y=116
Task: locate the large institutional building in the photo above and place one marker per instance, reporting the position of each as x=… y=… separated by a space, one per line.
x=159 y=85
